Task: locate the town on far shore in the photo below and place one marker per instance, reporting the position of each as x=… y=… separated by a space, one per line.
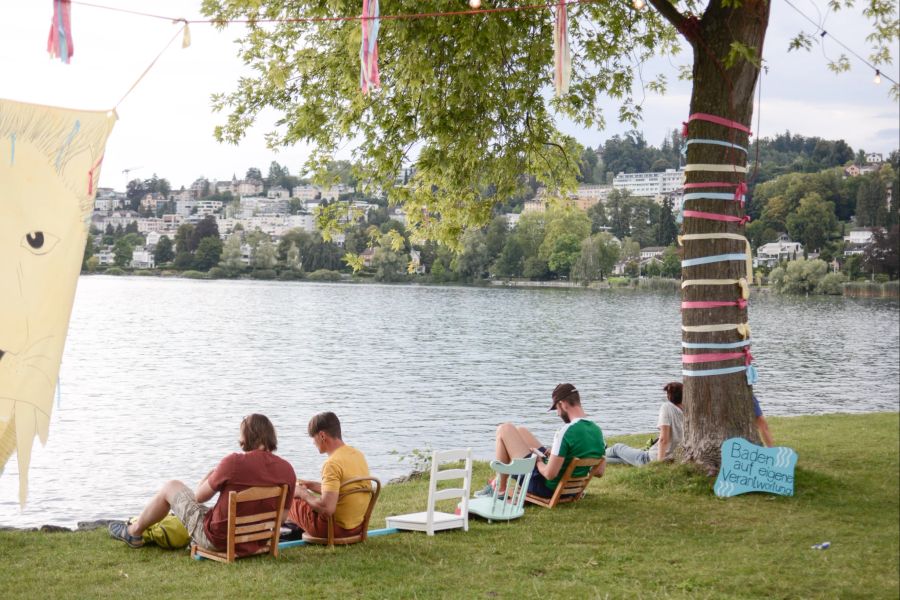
x=837 y=221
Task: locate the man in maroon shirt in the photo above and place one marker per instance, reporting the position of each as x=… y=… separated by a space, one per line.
x=255 y=466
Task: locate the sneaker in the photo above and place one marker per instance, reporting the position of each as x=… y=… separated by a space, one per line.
x=119 y=530
x=486 y=492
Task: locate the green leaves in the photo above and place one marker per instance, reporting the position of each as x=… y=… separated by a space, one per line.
x=465 y=99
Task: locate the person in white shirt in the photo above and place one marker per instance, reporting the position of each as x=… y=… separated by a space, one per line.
x=671 y=434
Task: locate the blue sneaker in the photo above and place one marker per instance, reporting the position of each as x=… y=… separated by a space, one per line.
x=119 y=530
x=486 y=491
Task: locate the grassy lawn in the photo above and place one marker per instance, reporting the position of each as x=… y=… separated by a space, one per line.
x=655 y=532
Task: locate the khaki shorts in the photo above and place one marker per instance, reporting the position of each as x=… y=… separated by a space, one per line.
x=191 y=513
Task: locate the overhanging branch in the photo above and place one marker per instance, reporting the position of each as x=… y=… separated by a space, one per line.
x=672 y=15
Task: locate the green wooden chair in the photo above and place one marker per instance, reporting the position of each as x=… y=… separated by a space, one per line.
x=510 y=504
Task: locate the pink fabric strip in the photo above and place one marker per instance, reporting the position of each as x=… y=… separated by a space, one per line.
x=718 y=121
x=740 y=303
x=91 y=175
x=689 y=359
x=697 y=214
x=717 y=356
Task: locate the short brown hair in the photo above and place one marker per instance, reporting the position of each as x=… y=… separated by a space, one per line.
x=673 y=392
x=257 y=430
x=327 y=422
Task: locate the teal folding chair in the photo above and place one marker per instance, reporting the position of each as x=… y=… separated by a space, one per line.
x=510 y=504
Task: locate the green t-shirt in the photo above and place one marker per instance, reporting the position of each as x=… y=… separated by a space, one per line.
x=579 y=439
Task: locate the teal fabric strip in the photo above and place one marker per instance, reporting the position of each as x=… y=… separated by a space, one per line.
x=712 y=372
x=713 y=142
x=752 y=375
x=695 y=345
x=705 y=260
x=712 y=196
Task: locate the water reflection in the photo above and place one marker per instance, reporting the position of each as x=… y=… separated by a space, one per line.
x=157 y=373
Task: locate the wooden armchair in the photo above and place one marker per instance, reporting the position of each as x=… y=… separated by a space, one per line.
x=373 y=489
x=249 y=528
x=569 y=488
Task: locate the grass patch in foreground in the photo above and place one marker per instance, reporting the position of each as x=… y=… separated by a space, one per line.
x=655 y=532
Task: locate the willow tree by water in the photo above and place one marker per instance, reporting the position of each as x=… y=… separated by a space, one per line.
x=467 y=100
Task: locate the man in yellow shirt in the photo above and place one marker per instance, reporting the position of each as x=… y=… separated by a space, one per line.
x=310 y=511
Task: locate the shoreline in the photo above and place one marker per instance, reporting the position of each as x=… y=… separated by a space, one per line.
x=84 y=526
x=854 y=290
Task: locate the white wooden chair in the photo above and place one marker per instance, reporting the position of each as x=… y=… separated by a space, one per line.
x=432 y=520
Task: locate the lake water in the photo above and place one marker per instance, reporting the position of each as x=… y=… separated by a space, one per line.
x=158 y=373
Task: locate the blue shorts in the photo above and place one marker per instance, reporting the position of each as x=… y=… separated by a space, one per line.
x=537 y=485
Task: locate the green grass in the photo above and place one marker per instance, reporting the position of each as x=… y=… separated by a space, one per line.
x=655 y=532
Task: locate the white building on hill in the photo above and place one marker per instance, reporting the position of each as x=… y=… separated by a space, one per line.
x=649 y=185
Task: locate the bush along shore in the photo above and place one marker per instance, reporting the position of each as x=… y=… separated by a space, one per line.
x=653 y=532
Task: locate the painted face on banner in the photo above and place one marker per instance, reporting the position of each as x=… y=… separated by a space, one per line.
x=49 y=166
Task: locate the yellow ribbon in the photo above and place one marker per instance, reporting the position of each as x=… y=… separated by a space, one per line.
x=724 y=236
x=745 y=288
x=716 y=168
x=743 y=329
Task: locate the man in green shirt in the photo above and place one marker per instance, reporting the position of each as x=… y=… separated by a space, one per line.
x=577 y=438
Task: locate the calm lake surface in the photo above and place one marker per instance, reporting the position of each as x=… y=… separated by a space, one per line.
x=158 y=373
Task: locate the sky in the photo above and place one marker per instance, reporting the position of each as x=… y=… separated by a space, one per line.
x=166 y=124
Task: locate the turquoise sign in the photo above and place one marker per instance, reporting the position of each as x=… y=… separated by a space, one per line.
x=747 y=467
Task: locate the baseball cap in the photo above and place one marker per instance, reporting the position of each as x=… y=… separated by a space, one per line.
x=562 y=392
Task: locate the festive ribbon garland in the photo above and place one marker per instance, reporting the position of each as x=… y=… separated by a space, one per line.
x=562 y=59
x=748 y=256
x=752 y=375
x=716 y=168
x=368 y=48
x=740 y=187
x=743 y=329
x=713 y=142
x=697 y=214
x=714 y=196
x=741 y=303
x=742 y=282
x=714 y=119
x=711 y=345
x=690 y=359
x=59 y=41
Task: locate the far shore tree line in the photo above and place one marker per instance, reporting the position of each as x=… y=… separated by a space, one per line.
x=814 y=207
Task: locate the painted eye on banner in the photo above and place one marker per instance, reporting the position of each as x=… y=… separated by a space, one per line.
x=39 y=242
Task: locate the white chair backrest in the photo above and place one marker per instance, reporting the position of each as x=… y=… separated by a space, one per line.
x=519 y=471
x=438 y=474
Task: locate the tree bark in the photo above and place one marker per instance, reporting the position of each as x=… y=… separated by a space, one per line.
x=718 y=407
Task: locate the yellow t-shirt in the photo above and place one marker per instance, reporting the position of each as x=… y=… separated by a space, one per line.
x=346 y=463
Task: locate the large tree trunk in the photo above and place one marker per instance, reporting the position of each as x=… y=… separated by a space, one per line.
x=718 y=407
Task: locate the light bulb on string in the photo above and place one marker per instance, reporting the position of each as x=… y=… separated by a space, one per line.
x=475 y=4
x=638 y=4
x=877 y=79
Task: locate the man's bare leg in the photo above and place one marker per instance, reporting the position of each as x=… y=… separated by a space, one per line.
x=157 y=508
x=512 y=442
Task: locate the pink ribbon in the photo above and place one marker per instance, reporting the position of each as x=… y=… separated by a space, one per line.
x=714 y=119
x=740 y=303
x=697 y=214
x=716 y=357
x=91 y=175
x=59 y=42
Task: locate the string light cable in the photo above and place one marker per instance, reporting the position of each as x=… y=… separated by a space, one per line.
x=822 y=33
x=383 y=17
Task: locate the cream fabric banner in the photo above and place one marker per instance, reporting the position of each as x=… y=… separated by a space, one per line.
x=50 y=162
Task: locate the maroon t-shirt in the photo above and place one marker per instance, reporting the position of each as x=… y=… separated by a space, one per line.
x=236 y=473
